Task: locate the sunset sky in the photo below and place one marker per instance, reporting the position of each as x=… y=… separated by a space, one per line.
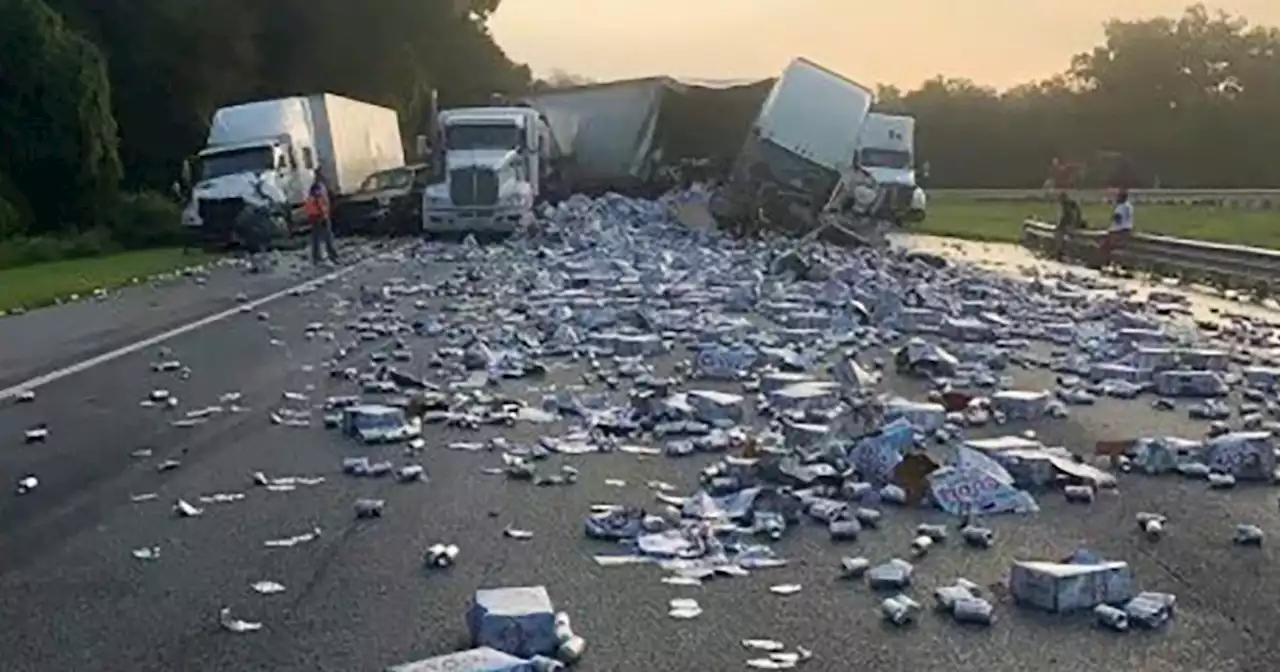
x=996 y=42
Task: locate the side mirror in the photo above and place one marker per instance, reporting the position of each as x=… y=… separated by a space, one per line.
x=422 y=146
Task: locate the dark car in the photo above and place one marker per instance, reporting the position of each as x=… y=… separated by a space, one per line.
x=388 y=203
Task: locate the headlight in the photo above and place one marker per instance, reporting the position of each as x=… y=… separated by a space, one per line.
x=918 y=199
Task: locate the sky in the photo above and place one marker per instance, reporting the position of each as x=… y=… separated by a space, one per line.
x=999 y=43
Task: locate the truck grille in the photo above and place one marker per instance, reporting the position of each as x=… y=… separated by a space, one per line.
x=898 y=196
x=219 y=214
x=473 y=186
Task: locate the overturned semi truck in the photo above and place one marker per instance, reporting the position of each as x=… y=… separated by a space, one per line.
x=803 y=139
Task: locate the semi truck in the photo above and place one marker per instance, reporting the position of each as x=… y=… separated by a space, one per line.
x=266 y=153
x=803 y=139
x=886 y=150
x=496 y=162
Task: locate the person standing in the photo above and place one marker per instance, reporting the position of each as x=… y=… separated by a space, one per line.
x=1121 y=226
x=318 y=212
x=1070 y=220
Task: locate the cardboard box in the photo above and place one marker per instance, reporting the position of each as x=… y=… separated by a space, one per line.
x=1061 y=587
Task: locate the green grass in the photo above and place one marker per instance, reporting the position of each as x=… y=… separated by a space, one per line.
x=1002 y=222
x=42 y=284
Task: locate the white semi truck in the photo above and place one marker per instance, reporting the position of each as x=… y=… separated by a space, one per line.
x=496 y=161
x=804 y=139
x=270 y=149
x=886 y=150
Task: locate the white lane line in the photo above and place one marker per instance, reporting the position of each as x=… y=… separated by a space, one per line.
x=105 y=357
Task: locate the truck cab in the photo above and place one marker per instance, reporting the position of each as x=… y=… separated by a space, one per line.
x=886 y=150
x=494 y=162
x=256 y=151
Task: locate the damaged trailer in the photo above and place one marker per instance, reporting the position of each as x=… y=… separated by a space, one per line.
x=801 y=142
x=627 y=136
x=701 y=127
x=613 y=124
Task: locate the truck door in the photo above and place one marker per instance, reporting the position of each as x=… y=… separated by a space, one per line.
x=291 y=178
x=533 y=157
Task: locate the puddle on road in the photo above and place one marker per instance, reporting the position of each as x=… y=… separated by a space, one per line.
x=1011 y=258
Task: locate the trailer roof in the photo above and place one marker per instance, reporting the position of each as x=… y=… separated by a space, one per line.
x=665 y=80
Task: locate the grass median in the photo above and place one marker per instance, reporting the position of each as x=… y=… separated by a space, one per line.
x=996 y=221
x=42 y=284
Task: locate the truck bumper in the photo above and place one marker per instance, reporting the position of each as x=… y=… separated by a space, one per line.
x=475 y=220
x=913 y=216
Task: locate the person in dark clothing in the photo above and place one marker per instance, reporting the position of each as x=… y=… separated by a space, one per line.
x=318 y=211
x=1070 y=220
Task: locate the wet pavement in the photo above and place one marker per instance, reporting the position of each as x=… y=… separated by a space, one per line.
x=73 y=596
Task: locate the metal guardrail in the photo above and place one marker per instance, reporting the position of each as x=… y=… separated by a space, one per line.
x=1246 y=199
x=1226 y=266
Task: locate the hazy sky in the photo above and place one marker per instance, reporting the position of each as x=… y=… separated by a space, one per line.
x=996 y=42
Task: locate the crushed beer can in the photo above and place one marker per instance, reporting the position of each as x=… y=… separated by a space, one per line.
x=900 y=610
x=854 y=568
x=369 y=508
x=1112 y=618
x=1150 y=609
x=1248 y=535
x=972 y=610
x=892 y=575
x=978 y=537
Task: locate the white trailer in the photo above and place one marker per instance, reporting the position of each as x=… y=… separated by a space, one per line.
x=803 y=140
x=354 y=140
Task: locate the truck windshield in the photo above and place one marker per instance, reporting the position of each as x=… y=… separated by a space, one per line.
x=400 y=178
x=247 y=160
x=885 y=158
x=482 y=136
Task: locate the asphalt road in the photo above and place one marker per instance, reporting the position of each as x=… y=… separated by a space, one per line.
x=57 y=336
x=73 y=598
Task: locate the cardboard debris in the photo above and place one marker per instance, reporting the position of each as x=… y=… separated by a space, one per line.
x=912 y=475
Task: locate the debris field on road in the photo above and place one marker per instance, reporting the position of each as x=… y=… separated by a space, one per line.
x=854 y=392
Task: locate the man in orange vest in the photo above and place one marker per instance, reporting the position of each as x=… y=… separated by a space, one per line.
x=317 y=209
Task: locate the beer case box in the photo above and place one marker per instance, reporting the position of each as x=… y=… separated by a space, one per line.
x=517 y=621
x=483 y=659
x=1063 y=587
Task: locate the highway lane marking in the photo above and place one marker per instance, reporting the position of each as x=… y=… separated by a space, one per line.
x=52 y=376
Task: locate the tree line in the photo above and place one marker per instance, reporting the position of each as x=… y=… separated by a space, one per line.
x=100 y=100
x=1192 y=101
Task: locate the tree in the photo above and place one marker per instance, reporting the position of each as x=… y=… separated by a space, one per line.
x=60 y=149
x=203 y=54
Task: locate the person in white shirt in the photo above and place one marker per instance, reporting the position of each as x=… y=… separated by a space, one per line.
x=1121 y=226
